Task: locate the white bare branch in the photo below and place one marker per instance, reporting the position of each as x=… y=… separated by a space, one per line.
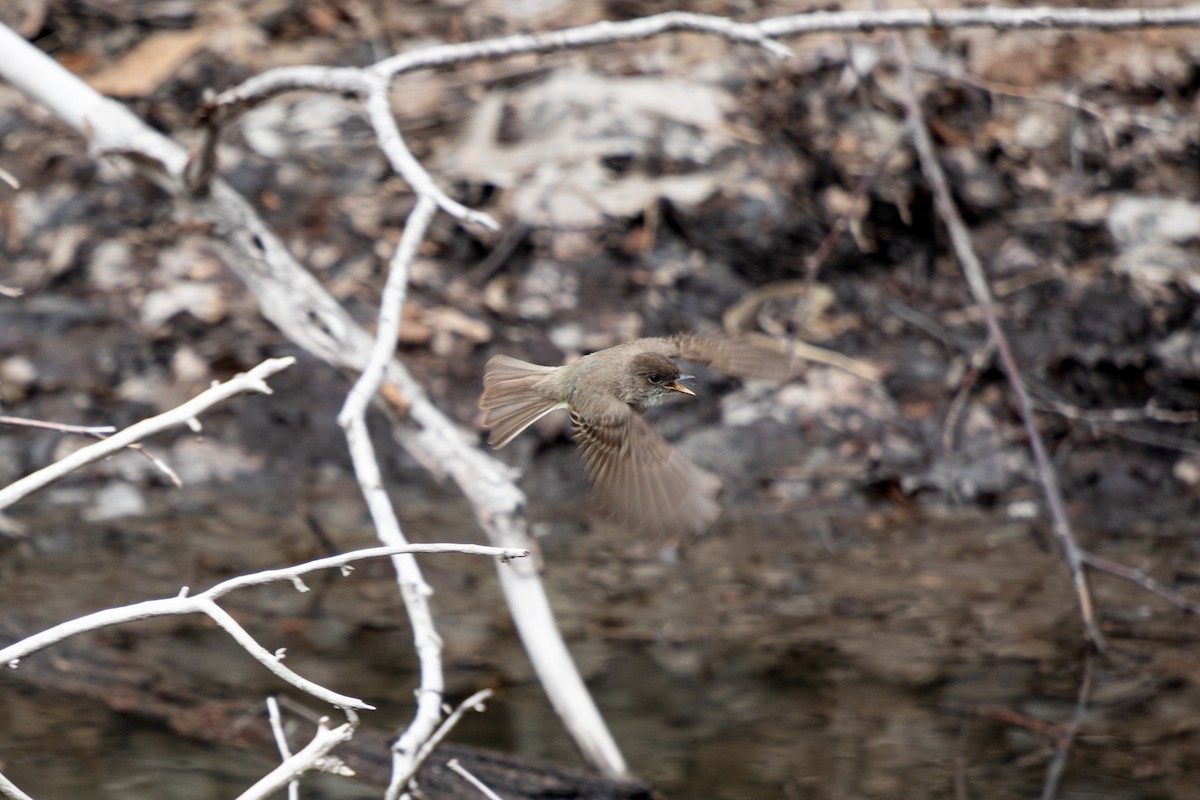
x=472 y=703
x=205 y=603
x=307 y=759
x=583 y=36
x=281 y=742
x=762 y=34
x=413 y=589
x=985 y=17
x=186 y=414
x=292 y=299
x=391 y=141
x=10 y=789
x=470 y=778
x=60 y=427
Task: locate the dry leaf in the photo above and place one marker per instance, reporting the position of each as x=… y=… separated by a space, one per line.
x=140 y=71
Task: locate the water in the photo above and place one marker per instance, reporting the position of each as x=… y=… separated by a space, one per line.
x=875 y=660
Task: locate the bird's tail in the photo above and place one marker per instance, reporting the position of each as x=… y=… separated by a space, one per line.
x=511 y=399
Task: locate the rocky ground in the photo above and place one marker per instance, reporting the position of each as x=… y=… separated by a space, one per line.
x=882 y=610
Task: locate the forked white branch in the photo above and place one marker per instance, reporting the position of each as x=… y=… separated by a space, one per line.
x=472 y=703
x=253 y=381
x=311 y=757
x=413 y=589
x=281 y=742
x=205 y=603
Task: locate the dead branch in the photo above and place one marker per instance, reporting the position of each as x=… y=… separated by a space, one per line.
x=413 y=588
x=10 y=789
x=1140 y=578
x=186 y=414
x=761 y=34
x=1063 y=742
x=977 y=282
x=308 y=758
x=281 y=741
x=293 y=300
x=205 y=603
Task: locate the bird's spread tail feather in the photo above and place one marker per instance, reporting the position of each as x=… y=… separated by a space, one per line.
x=511 y=401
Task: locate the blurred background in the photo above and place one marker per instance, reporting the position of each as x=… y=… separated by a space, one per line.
x=881 y=611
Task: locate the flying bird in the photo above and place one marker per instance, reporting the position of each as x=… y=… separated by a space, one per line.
x=636 y=475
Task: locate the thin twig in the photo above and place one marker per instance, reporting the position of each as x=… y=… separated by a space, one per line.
x=309 y=758
x=512 y=238
x=60 y=427
x=960 y=763
x=202 y=165
x=12 y=181
x=252 y=381
x=1063 y=742
x=391 y=142
x=1153 y=438
x=1002 y=714
x=1019 y=18
x=96 y=432
x=472 y=703
x=1115 y=422
x=1140 y=578
x=1105 y=117
x=812 y=264
x=1101 y=416
x=761 y=34
x=483 y=788
x=979 y=359
x=281 y=742
x=978 y=285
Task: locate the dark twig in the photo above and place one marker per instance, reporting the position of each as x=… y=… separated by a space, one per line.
x=1140 y=578
x=812 y=264
x=512 y=238
x=960 y=764
x=979 y=359
x=202 y=162
x=973 y=271
x=1108 y=118
x=1101 y=416
x=1007 y=716
x=1115 y=422
x=1064 y=740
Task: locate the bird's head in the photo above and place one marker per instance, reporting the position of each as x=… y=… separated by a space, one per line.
x=653 y=378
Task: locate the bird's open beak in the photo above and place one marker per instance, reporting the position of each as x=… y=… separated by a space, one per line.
x=676 y=386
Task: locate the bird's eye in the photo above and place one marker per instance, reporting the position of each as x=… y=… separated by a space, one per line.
x=656 y=379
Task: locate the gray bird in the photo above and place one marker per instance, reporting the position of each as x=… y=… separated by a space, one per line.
x=636 y=476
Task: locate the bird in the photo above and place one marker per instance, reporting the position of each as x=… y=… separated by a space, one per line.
x=637 y=477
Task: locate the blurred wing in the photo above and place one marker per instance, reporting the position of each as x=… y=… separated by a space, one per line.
x=744 y=357
x=642 y=480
